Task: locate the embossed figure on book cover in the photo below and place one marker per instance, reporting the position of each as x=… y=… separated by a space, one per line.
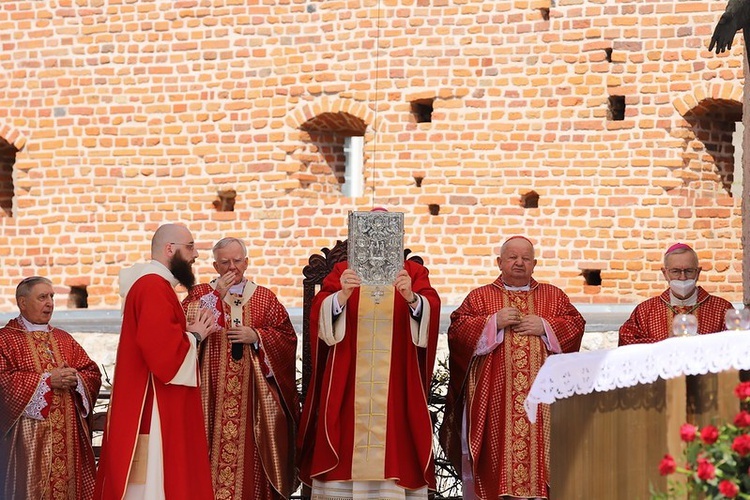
x=376 y=246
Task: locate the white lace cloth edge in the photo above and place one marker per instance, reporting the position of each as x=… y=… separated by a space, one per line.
x=563 y=375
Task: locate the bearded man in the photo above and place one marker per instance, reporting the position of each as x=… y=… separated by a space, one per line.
x=248 y=381
x=154 y=445
x=651 y=321
x=48 y=387
x=499 y=338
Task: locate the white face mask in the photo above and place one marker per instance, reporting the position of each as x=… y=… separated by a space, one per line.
x=682 y=288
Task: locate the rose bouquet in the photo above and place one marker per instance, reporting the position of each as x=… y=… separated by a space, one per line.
x=717 y=458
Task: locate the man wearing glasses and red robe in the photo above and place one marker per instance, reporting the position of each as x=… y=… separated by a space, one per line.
x=651 y=321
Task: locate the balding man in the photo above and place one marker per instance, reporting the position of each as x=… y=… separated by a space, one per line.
x=48 y=387
x=651 y=320
x=498 y=339
x=154 y=445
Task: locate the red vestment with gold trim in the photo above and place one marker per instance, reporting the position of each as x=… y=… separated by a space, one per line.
x=651 y=320
x=251 y=419
x=327 y=428
x=509 y=455
x=50 y=458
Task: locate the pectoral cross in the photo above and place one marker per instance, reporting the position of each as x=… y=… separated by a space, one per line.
x=377 y=294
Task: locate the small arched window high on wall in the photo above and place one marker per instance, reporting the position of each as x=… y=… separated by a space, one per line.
x=334 y=156
x=712 y=156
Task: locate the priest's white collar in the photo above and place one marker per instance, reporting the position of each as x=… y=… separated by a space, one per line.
x=690 y=301
x=32 y=327
x=524 y=288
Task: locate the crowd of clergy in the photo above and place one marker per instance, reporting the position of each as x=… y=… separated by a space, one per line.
x=205 y=402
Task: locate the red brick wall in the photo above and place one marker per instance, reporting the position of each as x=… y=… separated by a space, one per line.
x=127 y=114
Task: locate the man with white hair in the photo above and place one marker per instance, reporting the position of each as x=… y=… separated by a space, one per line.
x=248 y=381
x=651 y=320
x=48 y=387
x=154 y=445
x=499 y=338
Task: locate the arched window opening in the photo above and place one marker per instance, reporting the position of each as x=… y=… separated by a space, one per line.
x=713 y=151
x=333 y=158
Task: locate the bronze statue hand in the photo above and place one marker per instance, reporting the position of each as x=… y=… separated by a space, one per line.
x=735 y=17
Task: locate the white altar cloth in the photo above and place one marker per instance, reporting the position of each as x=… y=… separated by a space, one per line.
x=563 y=375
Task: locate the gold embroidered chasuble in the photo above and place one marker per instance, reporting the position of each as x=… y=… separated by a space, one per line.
x=651 y=320
x=250 y=426
x=50 y=458
x=508 y=454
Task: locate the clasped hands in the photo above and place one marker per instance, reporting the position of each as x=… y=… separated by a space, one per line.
x=350 y=281
x=63 y=378
x=529 y=324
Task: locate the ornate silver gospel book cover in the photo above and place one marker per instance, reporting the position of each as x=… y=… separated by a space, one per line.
x=376 y=246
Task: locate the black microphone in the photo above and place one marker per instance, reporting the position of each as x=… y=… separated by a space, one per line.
x=237 y=351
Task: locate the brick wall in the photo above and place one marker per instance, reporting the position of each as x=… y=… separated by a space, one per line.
x=119 y=115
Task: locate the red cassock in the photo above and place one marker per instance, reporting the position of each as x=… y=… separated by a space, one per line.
x=251 y=404
x=509 y=455
x=50 y=458
x=152 y=348
x=651 y=320
x=327 y=428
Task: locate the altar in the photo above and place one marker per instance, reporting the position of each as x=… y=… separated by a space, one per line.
x=616 y=413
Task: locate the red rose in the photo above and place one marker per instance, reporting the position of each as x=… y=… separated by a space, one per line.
x=741 y=445
x=705 y=469
x=667 y=465
x=709 y=434
x=728 y=489
x=742 y=390
x=742 y=419
x=687 y=432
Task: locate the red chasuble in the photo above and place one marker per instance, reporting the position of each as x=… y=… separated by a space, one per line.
x=251 y=404
x=328 y=427
x=152 y=347
x=651 y=320
x=509 y=455
x=50 y=458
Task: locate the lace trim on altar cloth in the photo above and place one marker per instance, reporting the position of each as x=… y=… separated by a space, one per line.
x=564 y=375
x=38 y=402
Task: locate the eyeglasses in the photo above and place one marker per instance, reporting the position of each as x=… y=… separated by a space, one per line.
x=189 y=246
x=689 y=273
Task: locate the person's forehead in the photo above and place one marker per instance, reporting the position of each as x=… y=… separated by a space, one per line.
x=681 y=258
x=41 y=288
x=518 y=247
x=231 y=251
